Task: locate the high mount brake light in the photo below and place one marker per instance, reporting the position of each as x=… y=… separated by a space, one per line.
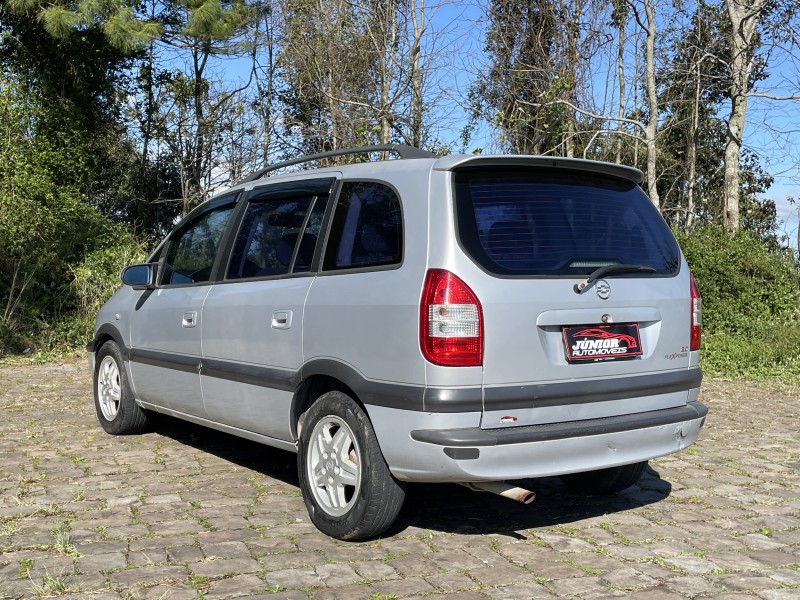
x=451 y=321
x=697 y=315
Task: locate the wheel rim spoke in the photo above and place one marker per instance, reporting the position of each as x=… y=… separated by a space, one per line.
x=349 y=473
x=341 y=442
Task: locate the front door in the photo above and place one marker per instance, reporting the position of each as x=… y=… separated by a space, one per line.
x=166 y=325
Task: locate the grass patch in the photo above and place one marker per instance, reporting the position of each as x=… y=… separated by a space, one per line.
x=62 y=542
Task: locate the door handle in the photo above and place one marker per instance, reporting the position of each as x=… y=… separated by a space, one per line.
x=189 y=319
x=282 y=319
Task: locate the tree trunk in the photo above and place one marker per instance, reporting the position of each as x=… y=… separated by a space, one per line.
x=744 y=16
x=691 y=151
x=621 y=76
x=652 y=103
x=419 y=25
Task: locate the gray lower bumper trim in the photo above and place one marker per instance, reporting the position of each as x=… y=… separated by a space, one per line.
x=592 y=390
x=477 y=437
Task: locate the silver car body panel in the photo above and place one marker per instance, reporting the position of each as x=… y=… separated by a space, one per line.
x=242 y=367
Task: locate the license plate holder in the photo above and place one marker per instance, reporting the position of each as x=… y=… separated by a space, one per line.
x=586 y=343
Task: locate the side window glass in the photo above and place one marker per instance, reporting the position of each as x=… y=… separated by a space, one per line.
x=367 y=229
x=272 y=238
x=190 y=256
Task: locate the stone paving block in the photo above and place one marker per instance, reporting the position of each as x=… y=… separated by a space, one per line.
x=159 y=542
x=450 y=582
x=774 y=558
x=461 y=560
x=421 y=566
x=86 y=582
x=224 y=567
x=403 y=588
x=782 y=594
x=565 y=543
x=146 y=576
x=169 y=591
x=290 y=560
x=226 y=550
x=336 y=575
x=629 y=578
x=745 y=583
x=101 y=562
x=785 y=576
x=577 y=586
x=693 y=565
x=293 y=578
x=406 y=546
x=356 y=553
x=593 y=561
x=554 y=570
x=659 y=594
x=152 y=556
x=500 y=574
x=760 y=542
x=270 y=545
x=736 y=561
x=529 y=590
x=184 y=554
x=241 y=585
x=349 y=592
x=375 y=570
x=691 y=585
x=458 y=596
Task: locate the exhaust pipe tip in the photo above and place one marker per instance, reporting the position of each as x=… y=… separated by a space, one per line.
x=501 y=488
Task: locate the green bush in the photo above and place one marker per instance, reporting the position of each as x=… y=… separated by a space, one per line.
x=751 y=304
x=59 y=256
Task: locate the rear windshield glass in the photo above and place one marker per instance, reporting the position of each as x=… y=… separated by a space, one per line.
x=530 y=222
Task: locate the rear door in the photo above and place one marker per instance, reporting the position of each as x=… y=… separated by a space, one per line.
x=253 y=319
x=554 y=352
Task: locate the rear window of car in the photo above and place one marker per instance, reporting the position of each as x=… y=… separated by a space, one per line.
x=534 y=222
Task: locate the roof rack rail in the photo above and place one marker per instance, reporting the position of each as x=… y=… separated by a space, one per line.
x=403 y=150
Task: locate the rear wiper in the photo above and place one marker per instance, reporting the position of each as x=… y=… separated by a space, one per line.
x=607 y=270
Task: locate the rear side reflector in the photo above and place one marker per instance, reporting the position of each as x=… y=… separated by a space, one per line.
x=451 y=321
x=697 y=315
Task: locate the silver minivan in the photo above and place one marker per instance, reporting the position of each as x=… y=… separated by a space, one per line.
x=469 y=319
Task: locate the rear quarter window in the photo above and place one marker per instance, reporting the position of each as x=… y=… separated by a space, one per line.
x=515 y=222
x=367 y=228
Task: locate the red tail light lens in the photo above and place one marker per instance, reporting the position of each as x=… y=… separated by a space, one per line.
x=451 y=321
x=697 y=315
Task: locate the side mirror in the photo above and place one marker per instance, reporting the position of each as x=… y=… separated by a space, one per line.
x=139 y=277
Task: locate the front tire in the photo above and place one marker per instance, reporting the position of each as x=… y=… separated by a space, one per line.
x=605 y=481
x=347 y=487
x=116 y=408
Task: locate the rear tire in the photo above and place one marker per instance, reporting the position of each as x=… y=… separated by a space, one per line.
x=605 y=481
x=116 y=408
x=347 y=487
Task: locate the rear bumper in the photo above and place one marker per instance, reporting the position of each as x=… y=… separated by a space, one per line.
x=474 y=454
x=477 y=437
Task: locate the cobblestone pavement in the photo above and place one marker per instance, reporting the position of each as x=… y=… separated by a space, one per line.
x=185 y=512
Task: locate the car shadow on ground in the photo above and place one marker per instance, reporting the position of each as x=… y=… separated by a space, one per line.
x=456 y=509
x=447 y=508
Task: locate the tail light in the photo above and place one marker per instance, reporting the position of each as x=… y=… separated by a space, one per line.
x=697 y=315
x=451 y=321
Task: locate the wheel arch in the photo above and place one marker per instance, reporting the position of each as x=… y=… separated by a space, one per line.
x=326 y=374
x=107 y=332
x=319 y=378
